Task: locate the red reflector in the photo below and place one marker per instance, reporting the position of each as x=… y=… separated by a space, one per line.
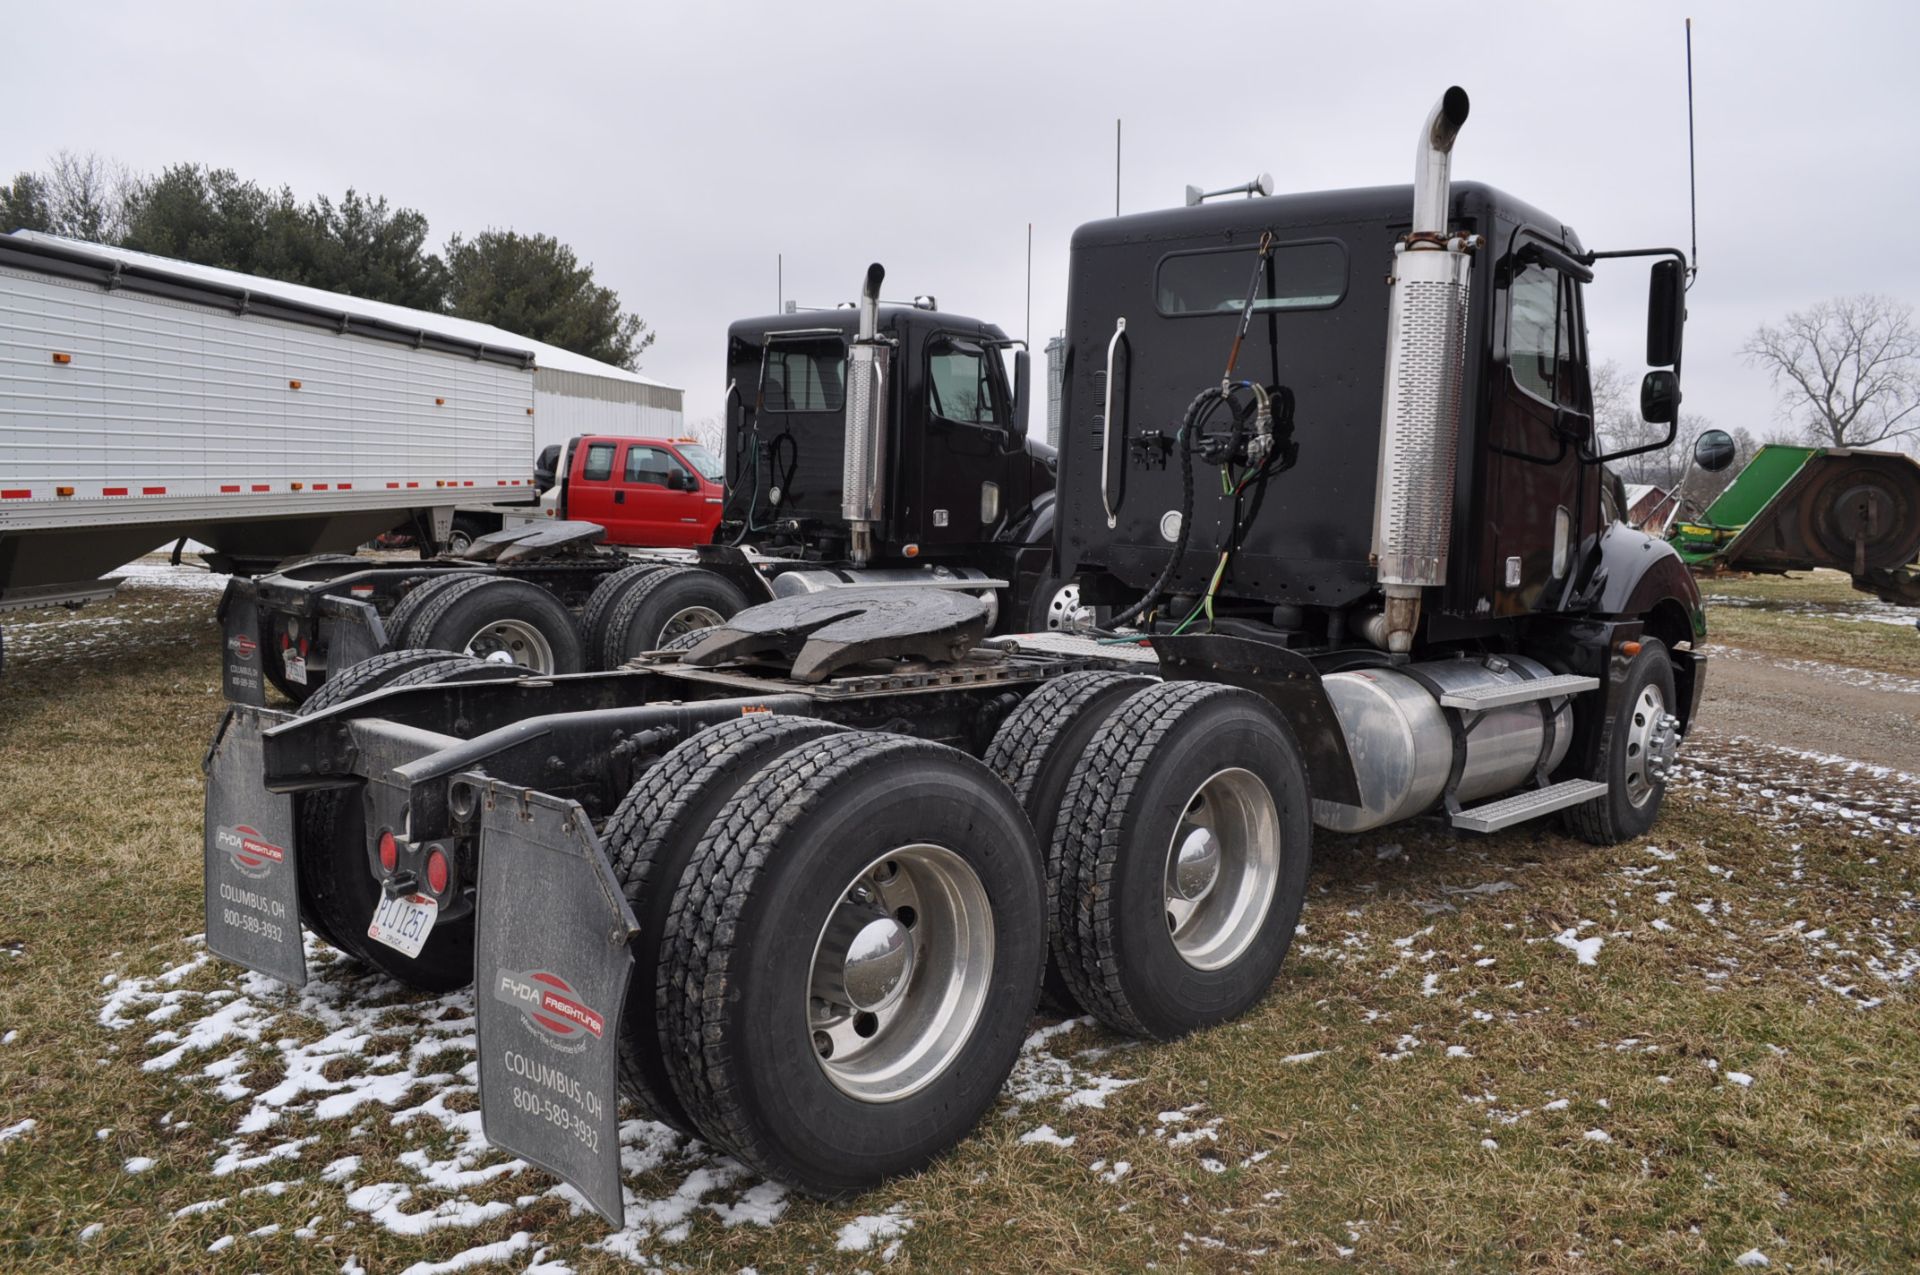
x=319 y=486
x=15 y=493
x=389 y=852
x=437 y=872
x=343 y=486
x=413 y=484
x=230 y=487
x=391 y=486
x=303 y=646
x=153 y=491
x=261 y=487
x=113 y=491
x=469 y=482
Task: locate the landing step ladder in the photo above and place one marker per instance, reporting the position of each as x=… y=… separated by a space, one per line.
x=1501 y=694
x=1531 y=804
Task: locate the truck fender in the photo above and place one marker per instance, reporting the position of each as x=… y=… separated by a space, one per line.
x=1290 y=683
x=1642 y=577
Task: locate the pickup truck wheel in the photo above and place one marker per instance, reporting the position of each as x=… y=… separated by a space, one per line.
x=1183 y=843
x=465 y=530
x=1637 y=744
x=662 y=606
x=502 y=621
x=851 y=960
x=338 y=892
x=1034 y=753
x=401 y=618
x=649 y=840
x=601 y=603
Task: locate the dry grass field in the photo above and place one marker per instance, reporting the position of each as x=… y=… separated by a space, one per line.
x=1695 y=1051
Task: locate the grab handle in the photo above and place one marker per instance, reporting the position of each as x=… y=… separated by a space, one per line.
x=1106 y=426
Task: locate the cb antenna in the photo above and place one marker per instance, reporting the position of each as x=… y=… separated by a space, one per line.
x=1693 y=199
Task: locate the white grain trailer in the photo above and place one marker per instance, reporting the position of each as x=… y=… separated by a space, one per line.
x=143 y=400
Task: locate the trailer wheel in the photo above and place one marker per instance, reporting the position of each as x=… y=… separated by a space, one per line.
x=851 y=960
x=1637 y=743
x=662 y=606
x=649 y=840
x=1182 y=843
x=503 y=621
x=400 y=619
x=337 y=893
x=1034 y=753
x=600 y=605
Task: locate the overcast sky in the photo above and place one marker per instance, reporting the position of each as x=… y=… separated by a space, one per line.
x=680 y=148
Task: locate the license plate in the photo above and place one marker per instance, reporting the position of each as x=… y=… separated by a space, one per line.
x=296 y=666
x=404 y=923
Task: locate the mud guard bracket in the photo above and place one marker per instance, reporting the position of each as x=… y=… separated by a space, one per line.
x=551 y=966
x=252 y=881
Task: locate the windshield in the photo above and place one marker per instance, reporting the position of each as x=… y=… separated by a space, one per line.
x=701 y=459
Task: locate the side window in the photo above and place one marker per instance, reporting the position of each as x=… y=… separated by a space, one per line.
x=960 y=384
x=804 y=377
x=647 y=465
x=598 y=466
x=1543 y=336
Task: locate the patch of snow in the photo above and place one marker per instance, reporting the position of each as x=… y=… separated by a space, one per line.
x=1740 y=1078
x=20 y=1130
x=1045 y=1134
x=139 y=1164
x=480 y=1255
x=864 y=1232
x=1585 y=951
x=1119 y=1170
x=222 y=1244
x=204 y=1206
x=1597 y=1135
x=1295 y=1059
x=1458 y=1051
x=1752 y=1257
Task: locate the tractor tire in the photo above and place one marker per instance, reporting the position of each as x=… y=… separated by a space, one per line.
x=663 y=605
x=1183 y=842
x=600 y=605
x=649 y=840
x=401 y=618
x=1633 y=740
x=851 y=959
x=1034 y=753
x=338 y=892
x=502 y=620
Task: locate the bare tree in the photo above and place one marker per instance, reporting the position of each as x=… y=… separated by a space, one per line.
x=709 y=433
x=1619 y=425
x=1847 y=369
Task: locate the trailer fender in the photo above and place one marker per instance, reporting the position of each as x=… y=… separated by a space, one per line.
x=1290 y=682
x=252 y=882
x=551 y=965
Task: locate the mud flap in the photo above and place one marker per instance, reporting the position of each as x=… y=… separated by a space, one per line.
x=350 y=631
x=252 y=886
x=551 y=965
x=240 y=654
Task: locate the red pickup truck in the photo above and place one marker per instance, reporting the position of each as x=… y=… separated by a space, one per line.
x=652 y=492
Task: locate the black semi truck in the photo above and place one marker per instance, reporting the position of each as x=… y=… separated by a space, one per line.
x=797 y=886
x=954 y=494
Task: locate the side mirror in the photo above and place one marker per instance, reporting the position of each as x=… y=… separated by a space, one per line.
x=1660 y=397
x=1022 y=384
x=1666 y=313
x=1714 y=450
x=679 y=480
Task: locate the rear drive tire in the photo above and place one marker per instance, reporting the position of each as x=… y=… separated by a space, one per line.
x=1183 y=844
x=600 y=605
x=649 y=840
x=1631 y=742
x=338 y=891
x=865 y=875
x=502 y=620
x=664 y=605
x=401 y=618
x=1035 y=752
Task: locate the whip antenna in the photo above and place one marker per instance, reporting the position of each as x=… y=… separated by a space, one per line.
x=1693 y=202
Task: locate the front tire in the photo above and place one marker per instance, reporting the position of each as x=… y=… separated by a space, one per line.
x=1182 y=845
x=852 y=957
x=1636 y=741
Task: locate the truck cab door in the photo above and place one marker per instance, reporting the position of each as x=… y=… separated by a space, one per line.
x=590 y=487
x=965 y=452
x=1541 y=500
x=664 y=503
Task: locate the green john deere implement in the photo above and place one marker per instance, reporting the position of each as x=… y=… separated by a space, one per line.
x=1796 y=508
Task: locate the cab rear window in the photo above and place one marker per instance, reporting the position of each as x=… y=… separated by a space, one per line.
x=1301 y=276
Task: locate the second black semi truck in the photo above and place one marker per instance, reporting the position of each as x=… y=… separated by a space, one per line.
x=796 y=888
x=952 y=494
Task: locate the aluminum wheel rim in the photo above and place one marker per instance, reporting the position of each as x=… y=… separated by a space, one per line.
x=513 y=642
x=687 y=620
x=1064 y=610
x=1643 y=724
x=1222 y=869
x=900 y=973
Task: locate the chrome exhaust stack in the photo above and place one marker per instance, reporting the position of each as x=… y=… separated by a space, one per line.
x=863 y=477
x=1420 y=407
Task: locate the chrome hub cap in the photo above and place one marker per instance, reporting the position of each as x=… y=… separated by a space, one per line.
x=513 y=642
x=1223 y=869
x=1064 y=610
x=688 y=620
x=900 y=973
x=1652 y=739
